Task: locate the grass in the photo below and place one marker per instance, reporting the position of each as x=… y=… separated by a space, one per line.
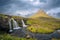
x=5 y=36
x=40 y=29
x=8 y=37
x=43 y=25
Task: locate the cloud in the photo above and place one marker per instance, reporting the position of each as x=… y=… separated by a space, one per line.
x=16 y=5
x=25 y=12
x=54 y=12
x=25 y=7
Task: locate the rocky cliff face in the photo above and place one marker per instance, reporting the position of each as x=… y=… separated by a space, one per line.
x=4 y=23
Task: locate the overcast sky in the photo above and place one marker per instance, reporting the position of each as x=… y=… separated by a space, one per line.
x=25 y=7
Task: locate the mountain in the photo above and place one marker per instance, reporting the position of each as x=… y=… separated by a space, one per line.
x=40 y=13
x=40 y=22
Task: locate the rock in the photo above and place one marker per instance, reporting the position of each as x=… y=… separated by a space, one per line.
x=28 y=36
x=55 y=34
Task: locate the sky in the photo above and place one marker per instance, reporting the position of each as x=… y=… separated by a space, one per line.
x=27 y=7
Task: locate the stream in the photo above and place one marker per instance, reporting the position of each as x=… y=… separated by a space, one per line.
x=22 y=33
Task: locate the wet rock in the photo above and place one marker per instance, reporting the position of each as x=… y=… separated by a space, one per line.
x=28 y=36
x=55 y=34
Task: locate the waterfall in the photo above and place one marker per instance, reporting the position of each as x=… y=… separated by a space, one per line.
x=10 y=28
x=15 y=25
x=23 y=24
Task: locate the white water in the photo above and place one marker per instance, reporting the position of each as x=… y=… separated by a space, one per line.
x=15 y=25
x=58 y=30
x=23 y=24
x=10 y=26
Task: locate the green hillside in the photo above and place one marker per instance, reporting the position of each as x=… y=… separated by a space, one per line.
x=42 y=23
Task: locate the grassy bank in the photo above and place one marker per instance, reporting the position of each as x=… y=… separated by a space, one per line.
x=43 y=25
x=6 y=36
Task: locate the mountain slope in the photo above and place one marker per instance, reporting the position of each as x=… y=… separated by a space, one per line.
x=40 y=13
x=42 y=23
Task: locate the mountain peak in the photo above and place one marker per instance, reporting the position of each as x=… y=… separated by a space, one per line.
x=40 y=13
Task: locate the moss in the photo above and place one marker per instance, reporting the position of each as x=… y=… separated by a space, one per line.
x=43 y=25
x=40 y=30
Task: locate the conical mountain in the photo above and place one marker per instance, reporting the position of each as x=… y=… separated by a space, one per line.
x=40 y=13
